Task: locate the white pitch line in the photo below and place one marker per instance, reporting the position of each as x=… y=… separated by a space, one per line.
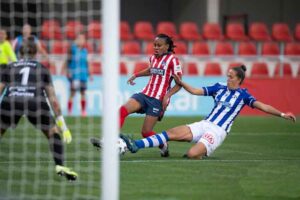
x=156 y=161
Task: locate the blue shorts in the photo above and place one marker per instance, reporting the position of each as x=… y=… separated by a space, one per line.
x=150 y=105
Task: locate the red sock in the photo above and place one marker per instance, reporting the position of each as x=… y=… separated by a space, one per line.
x=123 y=115
x=148 y=134
x=83 y=105
x=70 y=106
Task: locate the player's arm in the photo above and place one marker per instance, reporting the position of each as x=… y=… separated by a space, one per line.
x=10 y=52
x=2 y=86
x=145 y=72
x=273 y=111
x=60 y=121
x=187 y=87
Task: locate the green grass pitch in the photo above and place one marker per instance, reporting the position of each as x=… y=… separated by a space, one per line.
x=260 y=159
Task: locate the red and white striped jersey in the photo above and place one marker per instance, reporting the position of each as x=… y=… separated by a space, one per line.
x=162 y=69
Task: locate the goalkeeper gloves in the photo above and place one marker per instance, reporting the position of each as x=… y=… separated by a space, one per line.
x=67 y=136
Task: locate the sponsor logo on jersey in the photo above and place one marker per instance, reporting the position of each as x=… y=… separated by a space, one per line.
x=156 y=71
x=225 y=104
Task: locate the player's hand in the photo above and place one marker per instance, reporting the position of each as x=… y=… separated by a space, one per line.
x=289 y=116
x=131 y=80
x=177 y=79
x=67 y=136
x=165 y=102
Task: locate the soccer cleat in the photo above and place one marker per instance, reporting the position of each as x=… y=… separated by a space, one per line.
x=130 y=143
x=96 y=143
x=164 y=150
x=66 y=172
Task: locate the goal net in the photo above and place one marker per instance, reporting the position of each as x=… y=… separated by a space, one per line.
x=27 y=168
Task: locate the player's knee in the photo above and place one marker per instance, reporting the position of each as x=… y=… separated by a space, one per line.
x=147 y=133
x=193 y=154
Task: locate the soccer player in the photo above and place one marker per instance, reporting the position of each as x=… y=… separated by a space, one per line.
x=210 y=133
x=6 y=52
x=28 y=89
x=26 y=33
x=78 y=71
x=155 y=97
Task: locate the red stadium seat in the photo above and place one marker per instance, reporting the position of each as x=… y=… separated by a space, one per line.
x=224 y=48
x=51 y=30
x=90 y=46
x=72 y=28
x=247 y=49
x=287 y=69
x=200 y=49
x=259 y=69
x=50 y=66
x=125 y=32
x=59 y=47
x=168 y=28
x=281 y=32
x=131 y=48
x=270 y=49
x=212 y=31
x=236 y=31
x=143 y=30
x=123 y=68
x=139 y=66
x=292 y=49
x=297 y=32
x=191 y=69
x=212 y=69
x=149 y=50
x=96 y=67
x=189 y=31
x=94 y=30
x=258 y=31
x=181 y=48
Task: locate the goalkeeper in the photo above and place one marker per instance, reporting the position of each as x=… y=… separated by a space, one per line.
x=27 y=89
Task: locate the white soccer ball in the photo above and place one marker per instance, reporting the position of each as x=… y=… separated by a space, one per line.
x=122 y=146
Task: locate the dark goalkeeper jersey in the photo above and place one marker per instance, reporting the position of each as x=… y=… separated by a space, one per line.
x=25 y=79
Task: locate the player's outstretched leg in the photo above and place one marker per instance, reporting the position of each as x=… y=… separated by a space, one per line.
x=96 y=143
x=130 y=143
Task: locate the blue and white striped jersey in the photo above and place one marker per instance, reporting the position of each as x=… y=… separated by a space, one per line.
x=228 y=104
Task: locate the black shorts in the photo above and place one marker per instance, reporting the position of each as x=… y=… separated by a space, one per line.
x=37 y=112
x=78 y=85
x=150 y=105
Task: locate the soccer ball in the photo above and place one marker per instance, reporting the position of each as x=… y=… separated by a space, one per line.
x=122 y=146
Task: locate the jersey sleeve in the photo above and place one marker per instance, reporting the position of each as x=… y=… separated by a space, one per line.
x=47 y=79
x=249 y=99
x=211 y=90
x=10 y=52
x=4 y=75
x=177 y=69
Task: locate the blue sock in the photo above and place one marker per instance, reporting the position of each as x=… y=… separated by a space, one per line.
x=153 y=141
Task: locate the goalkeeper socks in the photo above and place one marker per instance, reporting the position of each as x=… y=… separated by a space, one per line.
x=70 y=106
x=123 y=114
x=153 y=141
x=56 y=146
x=83 y=105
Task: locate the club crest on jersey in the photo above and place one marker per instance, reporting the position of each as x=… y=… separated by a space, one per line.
x=209 y=138
x=157 y=71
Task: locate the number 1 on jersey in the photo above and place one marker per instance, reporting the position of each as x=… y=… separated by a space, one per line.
x=25 y=75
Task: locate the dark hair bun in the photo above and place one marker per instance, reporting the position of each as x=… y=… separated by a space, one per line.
x=244 y=68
